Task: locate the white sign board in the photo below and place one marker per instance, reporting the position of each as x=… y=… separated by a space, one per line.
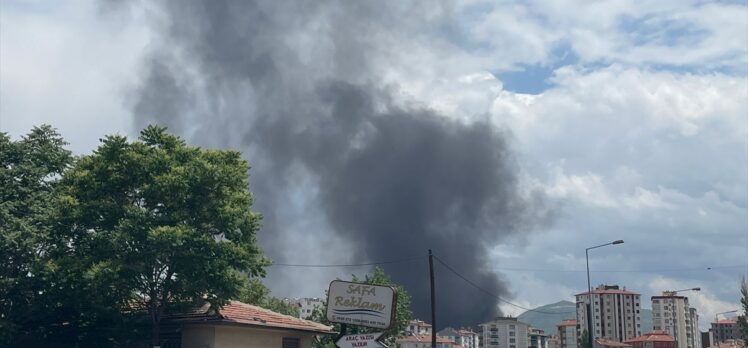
x=360 y=340
x=361 y=304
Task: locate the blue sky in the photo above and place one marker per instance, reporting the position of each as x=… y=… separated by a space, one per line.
x=632 y=116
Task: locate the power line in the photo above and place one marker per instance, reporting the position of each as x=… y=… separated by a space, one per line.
x=348 y=265
x=708 y=268
x=494 y=295
x=512 y=269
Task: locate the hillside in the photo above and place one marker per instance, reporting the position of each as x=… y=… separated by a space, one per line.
x=561 y=310
x=548 y=316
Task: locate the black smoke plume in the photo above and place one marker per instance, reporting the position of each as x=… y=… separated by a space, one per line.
x=343 y=169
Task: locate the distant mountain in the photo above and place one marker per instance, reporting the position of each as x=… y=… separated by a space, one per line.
x=548 y=316
x=547 y=322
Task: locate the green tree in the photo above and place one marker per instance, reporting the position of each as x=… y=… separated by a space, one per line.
x=156 y=225
x=256 y=293
x=584 y=339
x=403 y=312
x=742 y=320
x=29 y=170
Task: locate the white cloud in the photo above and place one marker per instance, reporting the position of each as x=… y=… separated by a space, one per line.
x=66 y=66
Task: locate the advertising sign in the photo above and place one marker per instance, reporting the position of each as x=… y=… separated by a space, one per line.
x=360 y=340
x=361 y=304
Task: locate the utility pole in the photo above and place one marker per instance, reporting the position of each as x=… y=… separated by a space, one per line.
x=433 y=300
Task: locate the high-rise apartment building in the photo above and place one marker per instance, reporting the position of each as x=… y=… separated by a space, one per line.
x=504 y=333
x=725 y=330
x=672 y=314
x=567 y=334
x=615 y=313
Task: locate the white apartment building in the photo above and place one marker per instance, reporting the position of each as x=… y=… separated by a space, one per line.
x=671 y=313
x=463 y=338
x=567 y=334
x=418 y=327
x=306 y=305
x=504 y=333
x=537 y=338
x=615 y=313
x=468 y=339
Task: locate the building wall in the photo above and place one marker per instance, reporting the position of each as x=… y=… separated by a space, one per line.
x=224 y=336
x=567 y=336
x=722 y=332
x=198 y=337
x=615 y=316
x=673 y=315
x=505 y=333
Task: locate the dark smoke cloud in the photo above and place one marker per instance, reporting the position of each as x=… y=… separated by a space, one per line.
x=342 y=169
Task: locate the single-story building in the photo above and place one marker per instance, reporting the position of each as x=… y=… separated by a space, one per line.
x=654 y=339
x=243 y=325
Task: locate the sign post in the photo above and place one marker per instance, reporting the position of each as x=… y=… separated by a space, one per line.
x=360 y=340
x=361 y=304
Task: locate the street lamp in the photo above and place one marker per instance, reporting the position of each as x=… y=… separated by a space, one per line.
x=728 y=312
x=590 y=334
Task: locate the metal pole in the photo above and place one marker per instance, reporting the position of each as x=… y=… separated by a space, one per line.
x=590 y=339
x=433 y=300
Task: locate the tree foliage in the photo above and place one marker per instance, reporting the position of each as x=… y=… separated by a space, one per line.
x=89 y=245
x=29 y=171
x=584 y=339
x=743 y=319
x=403 y=312
x=256 y=293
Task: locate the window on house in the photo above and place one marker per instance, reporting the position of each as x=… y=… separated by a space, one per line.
x=289 y=342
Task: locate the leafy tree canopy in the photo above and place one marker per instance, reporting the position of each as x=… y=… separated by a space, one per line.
x=154 y=225
x=29 y=170
x=256 y=293
x=743 y=319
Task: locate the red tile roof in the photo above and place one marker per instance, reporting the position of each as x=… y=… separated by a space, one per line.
x=609 y=343
x=242 y=313
x=654 y=336
x=422 y=338
x=568 y=322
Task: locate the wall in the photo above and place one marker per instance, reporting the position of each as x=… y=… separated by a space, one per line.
x=236 y=337
x=225 y=336
x=198 y=337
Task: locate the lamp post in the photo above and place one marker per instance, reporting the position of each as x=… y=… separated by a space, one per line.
x=590 y=334
x=673 y=307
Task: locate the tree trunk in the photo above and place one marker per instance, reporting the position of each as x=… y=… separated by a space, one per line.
x=155 y=328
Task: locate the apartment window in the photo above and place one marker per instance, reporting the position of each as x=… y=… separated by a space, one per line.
x=512 y=327
x=512 y=340
x=511 y=333
x=289 y=342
